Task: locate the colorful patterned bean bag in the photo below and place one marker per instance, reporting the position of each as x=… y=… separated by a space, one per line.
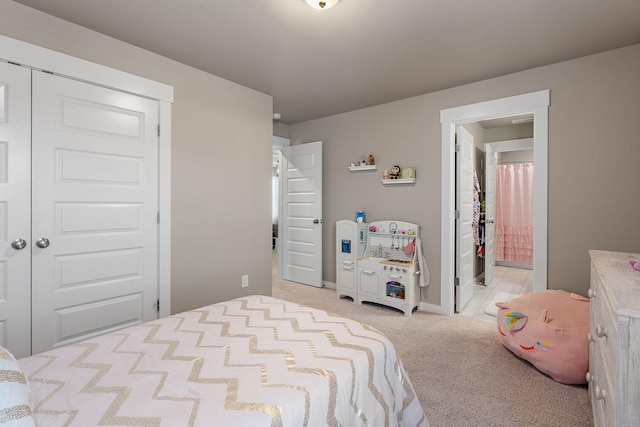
x=548 y=329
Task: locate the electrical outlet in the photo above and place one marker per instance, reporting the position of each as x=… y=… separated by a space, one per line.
x=245 y=281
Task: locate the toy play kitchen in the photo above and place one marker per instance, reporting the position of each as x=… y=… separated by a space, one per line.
x=377 y=262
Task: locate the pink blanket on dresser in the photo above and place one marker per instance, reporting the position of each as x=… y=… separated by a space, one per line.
x=252 y=361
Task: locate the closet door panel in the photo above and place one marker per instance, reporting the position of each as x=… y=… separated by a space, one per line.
x=95 y=185
x=15 y=211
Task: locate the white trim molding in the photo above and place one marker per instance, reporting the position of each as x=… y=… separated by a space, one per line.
x=64 y=65
x=42 y=59
x=536 y=103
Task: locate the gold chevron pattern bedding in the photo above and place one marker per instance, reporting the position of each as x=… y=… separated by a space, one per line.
x=253 y=361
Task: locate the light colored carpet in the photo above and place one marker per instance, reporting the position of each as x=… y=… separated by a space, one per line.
x=491 y=308
x=460 y=370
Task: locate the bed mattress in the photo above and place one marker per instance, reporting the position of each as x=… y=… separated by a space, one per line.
x=252 y=361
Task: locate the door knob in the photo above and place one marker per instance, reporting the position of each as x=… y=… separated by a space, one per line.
x=18 y=244
x=317 y=221
x=42 y=242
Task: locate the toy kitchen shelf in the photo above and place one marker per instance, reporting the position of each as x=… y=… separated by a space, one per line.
x=363 y=168
x=398 y=181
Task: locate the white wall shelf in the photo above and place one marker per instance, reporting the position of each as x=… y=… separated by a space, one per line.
x=398 y=181
x=363 y=168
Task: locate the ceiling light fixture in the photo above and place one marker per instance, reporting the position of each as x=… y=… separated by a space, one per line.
x=316 y=4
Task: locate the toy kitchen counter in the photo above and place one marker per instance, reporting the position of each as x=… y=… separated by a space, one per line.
x=384 y=268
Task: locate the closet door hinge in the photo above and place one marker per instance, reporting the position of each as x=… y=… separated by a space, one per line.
x=158 y=130
x=457 y=214
x=158 y=305
x=158 y=218
x=457 y=148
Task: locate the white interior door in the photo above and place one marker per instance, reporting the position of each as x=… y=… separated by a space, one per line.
x=491 y=165
x=95 y=201
x=15 y=211
x=464 y=222
x=300 y=229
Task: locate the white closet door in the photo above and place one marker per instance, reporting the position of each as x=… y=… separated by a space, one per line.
x=15 y=212
x=95 y=198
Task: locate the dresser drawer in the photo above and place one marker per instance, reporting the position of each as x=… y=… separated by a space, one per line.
x=603 y=394
x=604 y=330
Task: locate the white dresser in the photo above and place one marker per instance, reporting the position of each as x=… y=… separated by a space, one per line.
x=614 y=339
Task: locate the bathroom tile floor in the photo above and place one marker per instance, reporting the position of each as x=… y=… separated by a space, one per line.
x=506 y=279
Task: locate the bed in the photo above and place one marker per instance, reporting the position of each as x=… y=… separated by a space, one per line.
x=252 y=361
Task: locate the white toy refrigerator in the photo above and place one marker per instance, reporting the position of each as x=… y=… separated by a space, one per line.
x=351 y=240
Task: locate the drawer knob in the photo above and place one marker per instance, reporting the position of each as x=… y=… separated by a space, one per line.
x=590 y=337
x=600 y=394
x=590 y=377
x=601 y=331
x=591 y=293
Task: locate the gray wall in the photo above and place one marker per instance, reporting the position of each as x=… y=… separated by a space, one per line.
x=221 y=160
x=280 y=129
x=594 y=149
x=506 y=133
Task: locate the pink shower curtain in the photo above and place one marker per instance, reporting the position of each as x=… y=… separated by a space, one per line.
x=514 y=213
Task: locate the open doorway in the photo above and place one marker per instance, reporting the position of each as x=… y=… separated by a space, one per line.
x=276 y=160
x=503 y=170
x=536 y=104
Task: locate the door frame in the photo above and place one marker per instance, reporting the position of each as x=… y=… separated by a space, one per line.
x=36 y=57
x=506 y=146
x=536 y=103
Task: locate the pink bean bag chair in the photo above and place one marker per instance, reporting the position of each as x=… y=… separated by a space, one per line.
x=548 y=329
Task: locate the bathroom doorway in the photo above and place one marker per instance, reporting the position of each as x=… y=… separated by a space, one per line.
x=503 y=262
x=536 y=104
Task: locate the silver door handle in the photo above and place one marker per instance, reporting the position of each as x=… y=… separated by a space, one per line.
x=18 y=244
x=317 y=221
x=42 y=242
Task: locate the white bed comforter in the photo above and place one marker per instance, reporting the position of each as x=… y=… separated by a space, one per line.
x=253 y=361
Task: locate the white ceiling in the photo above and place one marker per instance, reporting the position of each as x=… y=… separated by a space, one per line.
x=360 y=53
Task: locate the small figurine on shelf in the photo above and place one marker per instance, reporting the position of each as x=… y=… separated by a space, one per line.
x=372 y=160
x=395 y=172
x=363 y=161
x=385 y=174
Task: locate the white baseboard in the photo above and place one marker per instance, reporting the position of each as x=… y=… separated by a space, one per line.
x=329 y=285
x=430 y=308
